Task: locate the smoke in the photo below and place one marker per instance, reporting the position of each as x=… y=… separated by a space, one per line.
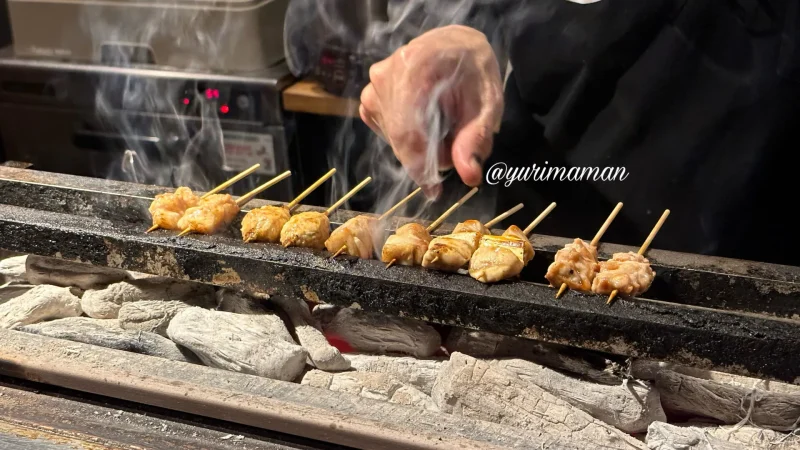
x=380 y=37
x=160 y=139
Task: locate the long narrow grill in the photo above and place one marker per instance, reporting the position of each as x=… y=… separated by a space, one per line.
x=708 y=312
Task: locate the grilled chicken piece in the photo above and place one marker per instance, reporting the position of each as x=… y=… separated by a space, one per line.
x=214 y=213
x=629 y=273
x=407 y=245
x=308 y=229
x=501 y=257
x=451 y=252
x=471 y=225
x=167 y=209
x=574 y=265
x=264 y=224
x=357 y=234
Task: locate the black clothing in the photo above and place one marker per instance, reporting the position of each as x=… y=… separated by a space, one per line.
x=699 y=100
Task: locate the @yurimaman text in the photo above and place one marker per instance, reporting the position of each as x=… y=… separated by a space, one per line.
x=501 y=173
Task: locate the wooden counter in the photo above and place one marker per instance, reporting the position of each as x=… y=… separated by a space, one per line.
x=308 y=97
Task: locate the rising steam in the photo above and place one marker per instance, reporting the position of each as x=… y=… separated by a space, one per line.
x=161 y=146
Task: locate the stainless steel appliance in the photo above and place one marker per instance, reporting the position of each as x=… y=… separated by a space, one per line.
x=224 y=36
x=145 y=125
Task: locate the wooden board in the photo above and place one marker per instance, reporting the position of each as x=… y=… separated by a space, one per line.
x=307 y=96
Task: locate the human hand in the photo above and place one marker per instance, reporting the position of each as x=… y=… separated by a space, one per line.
x=451 y=71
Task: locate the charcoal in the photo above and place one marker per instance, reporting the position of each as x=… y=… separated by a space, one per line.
x=378 y=386
x=105 y=303
x=43 y=302
x=149 y=315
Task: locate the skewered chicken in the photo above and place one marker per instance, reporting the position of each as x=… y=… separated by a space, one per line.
x=407 y=246
x=575 y=265
x=629 y=273
x=306 y=229
x=168 y=208
x=214 y=213
x=264 y=224
x=501 y=257
x=356 y=235
x=453 y=251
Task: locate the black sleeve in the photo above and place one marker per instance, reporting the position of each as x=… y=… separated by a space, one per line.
x=561 y=47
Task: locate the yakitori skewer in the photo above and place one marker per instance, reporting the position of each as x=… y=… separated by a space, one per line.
x=410 y=241
x=628 y=271
x=232 y=181
x=311 y=229
x=453 y=251
x=577 y=262
x=502 y=257
x=358 y=233
x=265 y=224
x=168 y=208
x=217 y=211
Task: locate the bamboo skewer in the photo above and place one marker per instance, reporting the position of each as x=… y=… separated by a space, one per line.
x=539 y=219
x=644 y=246
x=596 y=239
x=222 y=186
x=438 y=222
x=347 y=196
x=241 y=201
x=384 y=216
x=230 y=182
x=293 y=204
x=503 y=216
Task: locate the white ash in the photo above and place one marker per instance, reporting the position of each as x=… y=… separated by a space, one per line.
x=322 y=354
x=420 y=373
x=62 y=272
x=631 y=407
x=378 y=333
x=234 y=302
x=647 y=370
x=12 y=270
x=105 y=303
x=728 y=403
x=149 y=315
x=483 y=344
x=253 y=344
x=664 y=436
x=377 y=386
x=42 y=302
x=473 y=388
x=9 y=291
x=104 y=333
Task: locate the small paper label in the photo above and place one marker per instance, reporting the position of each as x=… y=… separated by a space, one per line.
x=242 y=150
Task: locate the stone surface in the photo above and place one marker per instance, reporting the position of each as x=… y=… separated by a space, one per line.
x=149 y=315
x=42 y=302
x=369 y=332
x=105 y=303
x=253 y=344
x=473 y=388
x=106 y=333
x=378 y=386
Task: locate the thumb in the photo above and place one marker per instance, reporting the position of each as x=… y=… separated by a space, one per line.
x=472 y=146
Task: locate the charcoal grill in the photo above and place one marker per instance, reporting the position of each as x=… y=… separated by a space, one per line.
x=721 y=314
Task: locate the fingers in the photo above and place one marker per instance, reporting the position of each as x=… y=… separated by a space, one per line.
x=471 y=148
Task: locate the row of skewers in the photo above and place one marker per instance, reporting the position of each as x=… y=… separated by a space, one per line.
x=471 y=246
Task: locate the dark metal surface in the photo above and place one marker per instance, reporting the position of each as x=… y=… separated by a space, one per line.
x=681 y=278
x=749 y=344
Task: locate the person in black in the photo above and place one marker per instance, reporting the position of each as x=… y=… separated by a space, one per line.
x=698 y=100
